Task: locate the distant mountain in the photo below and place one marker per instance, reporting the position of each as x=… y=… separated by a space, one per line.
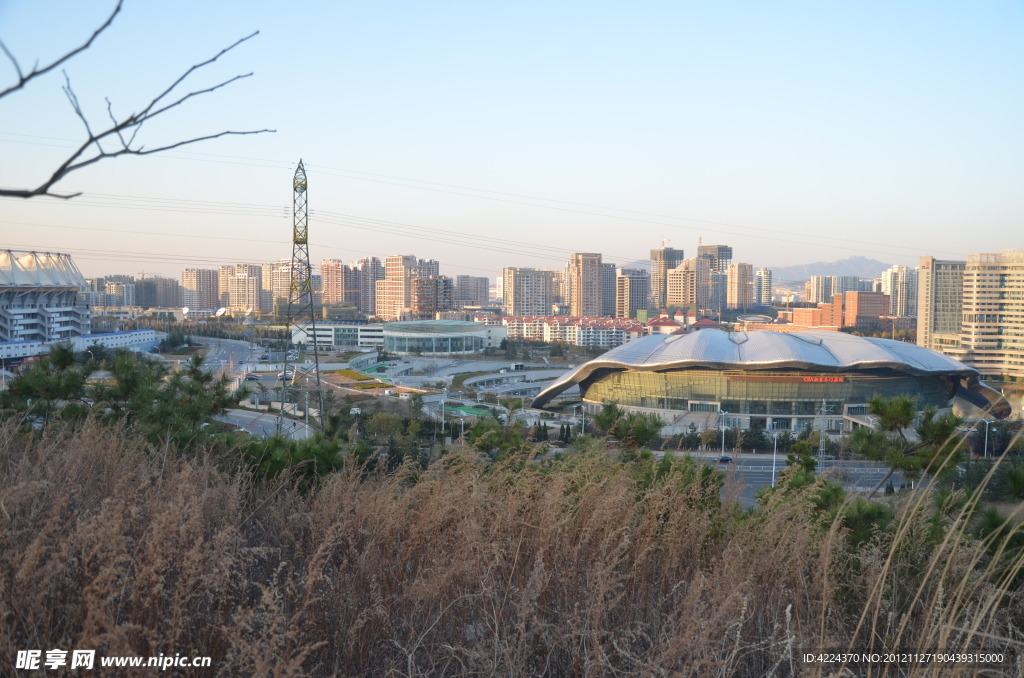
x=645 y=264
x=862 y=267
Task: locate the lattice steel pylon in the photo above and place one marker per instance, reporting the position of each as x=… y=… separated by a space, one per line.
x=301 y=309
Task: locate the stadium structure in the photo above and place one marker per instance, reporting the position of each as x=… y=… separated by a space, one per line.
x=773 y=380
x=39 y=297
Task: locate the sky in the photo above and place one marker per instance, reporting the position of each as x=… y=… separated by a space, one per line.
x=491 y=134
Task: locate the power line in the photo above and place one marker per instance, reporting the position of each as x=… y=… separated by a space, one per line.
x=588 y=205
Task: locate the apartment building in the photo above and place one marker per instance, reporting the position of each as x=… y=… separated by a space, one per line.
x=763 y=287
x=394 y=294
x=583 y=273
x=632 y=291
x=740 y=283
x=689 y=284
x=900 y=283
x=199 y=288
x=526 y=291
x=663 y=260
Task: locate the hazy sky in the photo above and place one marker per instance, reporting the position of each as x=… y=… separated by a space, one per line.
x=795 y=132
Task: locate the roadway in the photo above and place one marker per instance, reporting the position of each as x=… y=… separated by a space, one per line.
x=265 y=425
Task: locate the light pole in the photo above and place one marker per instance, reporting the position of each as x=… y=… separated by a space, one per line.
x=986 y=436
x=721 y=419
x=775 y=453
x=583 y=417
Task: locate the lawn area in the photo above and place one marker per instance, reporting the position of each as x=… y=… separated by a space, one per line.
x=460 y=379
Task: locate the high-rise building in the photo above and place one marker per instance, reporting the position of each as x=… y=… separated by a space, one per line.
x=559 y=288
x=430 y=295
x=244 y=293
x=689 y=284
x=471 y=290
x=632 y=291
x=763 y=287
x=718 y=256
x=992 y=331
x=395 y=292
x=334 y=274
x=940 y=290
x=819 y=289
x=740 y=285
x=584 y=275
x=157 y=292
x=662 y=261
x=719 y=291
x=366 y=272
x=275 y=284
x=199 y=289
x=123 y=293
x=900 y=283
x=608 y=293
x=527 y=291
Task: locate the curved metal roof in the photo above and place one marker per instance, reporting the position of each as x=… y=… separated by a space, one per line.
x=822 y=350
x=38 y=269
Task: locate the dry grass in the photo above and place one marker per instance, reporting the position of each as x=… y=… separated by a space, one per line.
x=462 y=570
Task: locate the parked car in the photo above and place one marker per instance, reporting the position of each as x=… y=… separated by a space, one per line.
x=725 y=460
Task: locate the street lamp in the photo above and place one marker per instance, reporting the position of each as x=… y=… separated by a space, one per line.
x=721 y=419
x=583 y=417
x=775 y=453
x=987 y=422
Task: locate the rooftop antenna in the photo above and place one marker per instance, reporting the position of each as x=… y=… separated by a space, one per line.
x=301 y=309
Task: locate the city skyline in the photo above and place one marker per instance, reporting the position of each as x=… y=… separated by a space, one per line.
x=789 y=166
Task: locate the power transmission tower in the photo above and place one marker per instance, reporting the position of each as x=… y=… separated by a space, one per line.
x=301 y=310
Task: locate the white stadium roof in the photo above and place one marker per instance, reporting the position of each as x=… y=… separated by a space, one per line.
x=820 y=350
x=27 y=270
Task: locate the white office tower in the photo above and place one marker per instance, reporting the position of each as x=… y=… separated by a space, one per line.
x=992 y=333
x=39 y=297
x=763 y=287
x=940 y=290
x=900 y=283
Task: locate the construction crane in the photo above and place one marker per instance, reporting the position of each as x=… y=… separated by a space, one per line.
x=662 y=240
x=301 y=309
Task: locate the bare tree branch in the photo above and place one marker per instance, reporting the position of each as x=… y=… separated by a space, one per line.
x=36 y=71
x=120 y=135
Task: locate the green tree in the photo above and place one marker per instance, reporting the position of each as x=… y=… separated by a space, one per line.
x=633 y=430
x=691 y=439
x=416 y=404
x=49 y=384
x=384 y=425
x=936 y=450
x=754 y=439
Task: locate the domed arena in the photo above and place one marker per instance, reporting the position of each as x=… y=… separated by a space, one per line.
x=774 y=380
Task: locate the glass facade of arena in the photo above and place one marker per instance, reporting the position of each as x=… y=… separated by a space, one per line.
x=432 y=343
x=762 y=392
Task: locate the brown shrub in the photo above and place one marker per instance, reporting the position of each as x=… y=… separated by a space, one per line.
x=469 y=568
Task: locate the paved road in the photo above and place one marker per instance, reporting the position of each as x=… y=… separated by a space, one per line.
x=265 y=425
x=225 y=352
